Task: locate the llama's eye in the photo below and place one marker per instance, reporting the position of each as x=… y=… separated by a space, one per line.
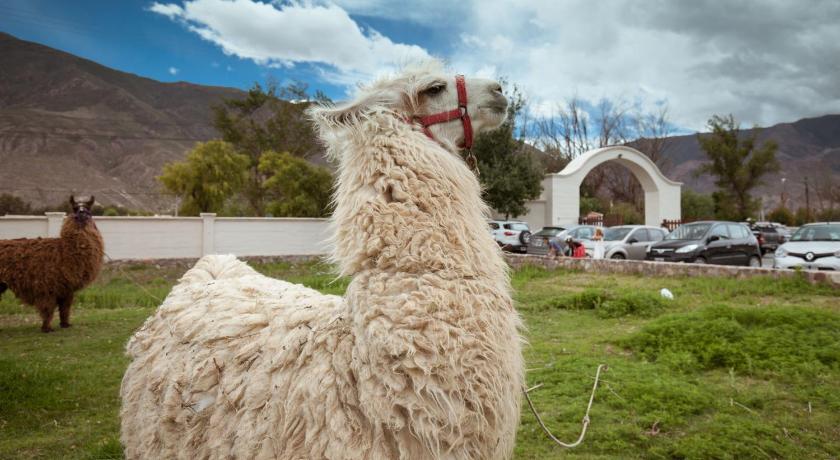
x=434 y=90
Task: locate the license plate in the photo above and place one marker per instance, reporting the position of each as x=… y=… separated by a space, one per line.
x=659 y=259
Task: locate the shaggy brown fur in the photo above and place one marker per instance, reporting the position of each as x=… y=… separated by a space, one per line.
x=46 y=272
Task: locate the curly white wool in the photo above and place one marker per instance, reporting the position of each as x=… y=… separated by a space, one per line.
x=420 y=359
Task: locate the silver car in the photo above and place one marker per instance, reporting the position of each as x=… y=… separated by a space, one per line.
x=812 y=247
x=627 y=241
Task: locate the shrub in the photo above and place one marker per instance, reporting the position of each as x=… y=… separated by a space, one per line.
x=608 y=305
x=11 y=204
x=787 y=340
x=632 y=303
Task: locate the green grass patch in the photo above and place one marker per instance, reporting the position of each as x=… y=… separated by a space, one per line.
x=750 y=340
x=728 y=369
x=606 y=303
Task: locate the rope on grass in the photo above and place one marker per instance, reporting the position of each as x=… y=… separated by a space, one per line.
x=585 y=417
x=133 y=281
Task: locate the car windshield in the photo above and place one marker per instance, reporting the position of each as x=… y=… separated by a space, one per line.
x=689 y=232
x=823 y=232
x=516 y=226
x=617 y=233
x=549 y=232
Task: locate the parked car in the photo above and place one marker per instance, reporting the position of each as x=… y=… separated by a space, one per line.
x=770 y=235
x=511 y=235
x=627 y=241
x=812 y=247
x=576 y=232
x=538 y=244
x=713 y=242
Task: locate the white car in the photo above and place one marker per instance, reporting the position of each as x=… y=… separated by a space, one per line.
x=512 y=235
x=812 y=247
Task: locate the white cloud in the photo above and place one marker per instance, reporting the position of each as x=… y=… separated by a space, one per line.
x=171 y=11
x=765 y=62
x=173 y=71
x=285 y=34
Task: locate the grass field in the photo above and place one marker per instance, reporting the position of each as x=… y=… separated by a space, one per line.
x=729 y=369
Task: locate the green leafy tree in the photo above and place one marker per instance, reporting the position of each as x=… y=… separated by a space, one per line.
x=802 y=217
x=628 y=212
x=592 y=203
x=508 y=171
x=738 y=165
x=781 y=215
x=696 y=206
x=11 y=204
x=211 y=174
x=269 y=118
x=294 y=186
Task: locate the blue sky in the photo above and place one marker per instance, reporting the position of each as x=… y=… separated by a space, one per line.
x=126 y=36
x=765 y=61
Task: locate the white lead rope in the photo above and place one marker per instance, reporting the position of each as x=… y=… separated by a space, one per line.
x=585 y=417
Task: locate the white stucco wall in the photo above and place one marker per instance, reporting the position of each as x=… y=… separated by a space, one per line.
x=187 y=237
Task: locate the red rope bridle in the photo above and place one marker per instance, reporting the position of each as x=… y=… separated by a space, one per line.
x=461 y=113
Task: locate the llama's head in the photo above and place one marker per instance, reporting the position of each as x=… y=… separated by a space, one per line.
x=81 y=209
x=418 y=92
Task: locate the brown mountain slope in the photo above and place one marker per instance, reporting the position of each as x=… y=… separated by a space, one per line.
x=807 y=148
x=70 y=125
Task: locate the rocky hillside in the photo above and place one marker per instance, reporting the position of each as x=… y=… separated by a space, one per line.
x=71 y=125
x=807 y=148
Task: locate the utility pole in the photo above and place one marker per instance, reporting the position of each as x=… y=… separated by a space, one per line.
x=784 y=195
x=807 y=200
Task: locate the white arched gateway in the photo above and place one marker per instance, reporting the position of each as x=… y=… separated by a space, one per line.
x=559 y=203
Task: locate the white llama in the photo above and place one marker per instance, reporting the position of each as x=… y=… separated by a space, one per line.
x=420 y=359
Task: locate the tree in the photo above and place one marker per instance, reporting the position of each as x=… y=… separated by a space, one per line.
x=11 y=204
x=294 y=186
x=652 y=130
x=781 y=215
x=738 y=165
x=509 y=173
x=696 y=206
x=267 y=119
x=802 y=216
x=211 y=174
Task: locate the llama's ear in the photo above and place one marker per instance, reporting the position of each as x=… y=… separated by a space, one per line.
x=91 y=201
x=328 y=117
x=72 y=200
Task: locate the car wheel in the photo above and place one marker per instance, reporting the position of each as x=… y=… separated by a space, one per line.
x=700 y=260
x=755 y=261
x=524 y=237
x=618 y=256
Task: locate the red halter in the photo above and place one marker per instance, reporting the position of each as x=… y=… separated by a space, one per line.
x=454 y=114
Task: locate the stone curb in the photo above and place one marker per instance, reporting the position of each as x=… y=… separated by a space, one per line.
x=667 y=269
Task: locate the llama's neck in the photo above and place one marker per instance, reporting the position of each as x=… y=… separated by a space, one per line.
x=404 y=204
x=81 y=245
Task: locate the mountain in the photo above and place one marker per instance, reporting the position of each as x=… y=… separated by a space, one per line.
x=807 y=148
x=68 y=124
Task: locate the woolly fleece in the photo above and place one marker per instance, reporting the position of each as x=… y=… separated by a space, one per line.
x=420 y=359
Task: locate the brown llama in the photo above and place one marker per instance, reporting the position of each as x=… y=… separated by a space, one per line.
x=46 y=272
